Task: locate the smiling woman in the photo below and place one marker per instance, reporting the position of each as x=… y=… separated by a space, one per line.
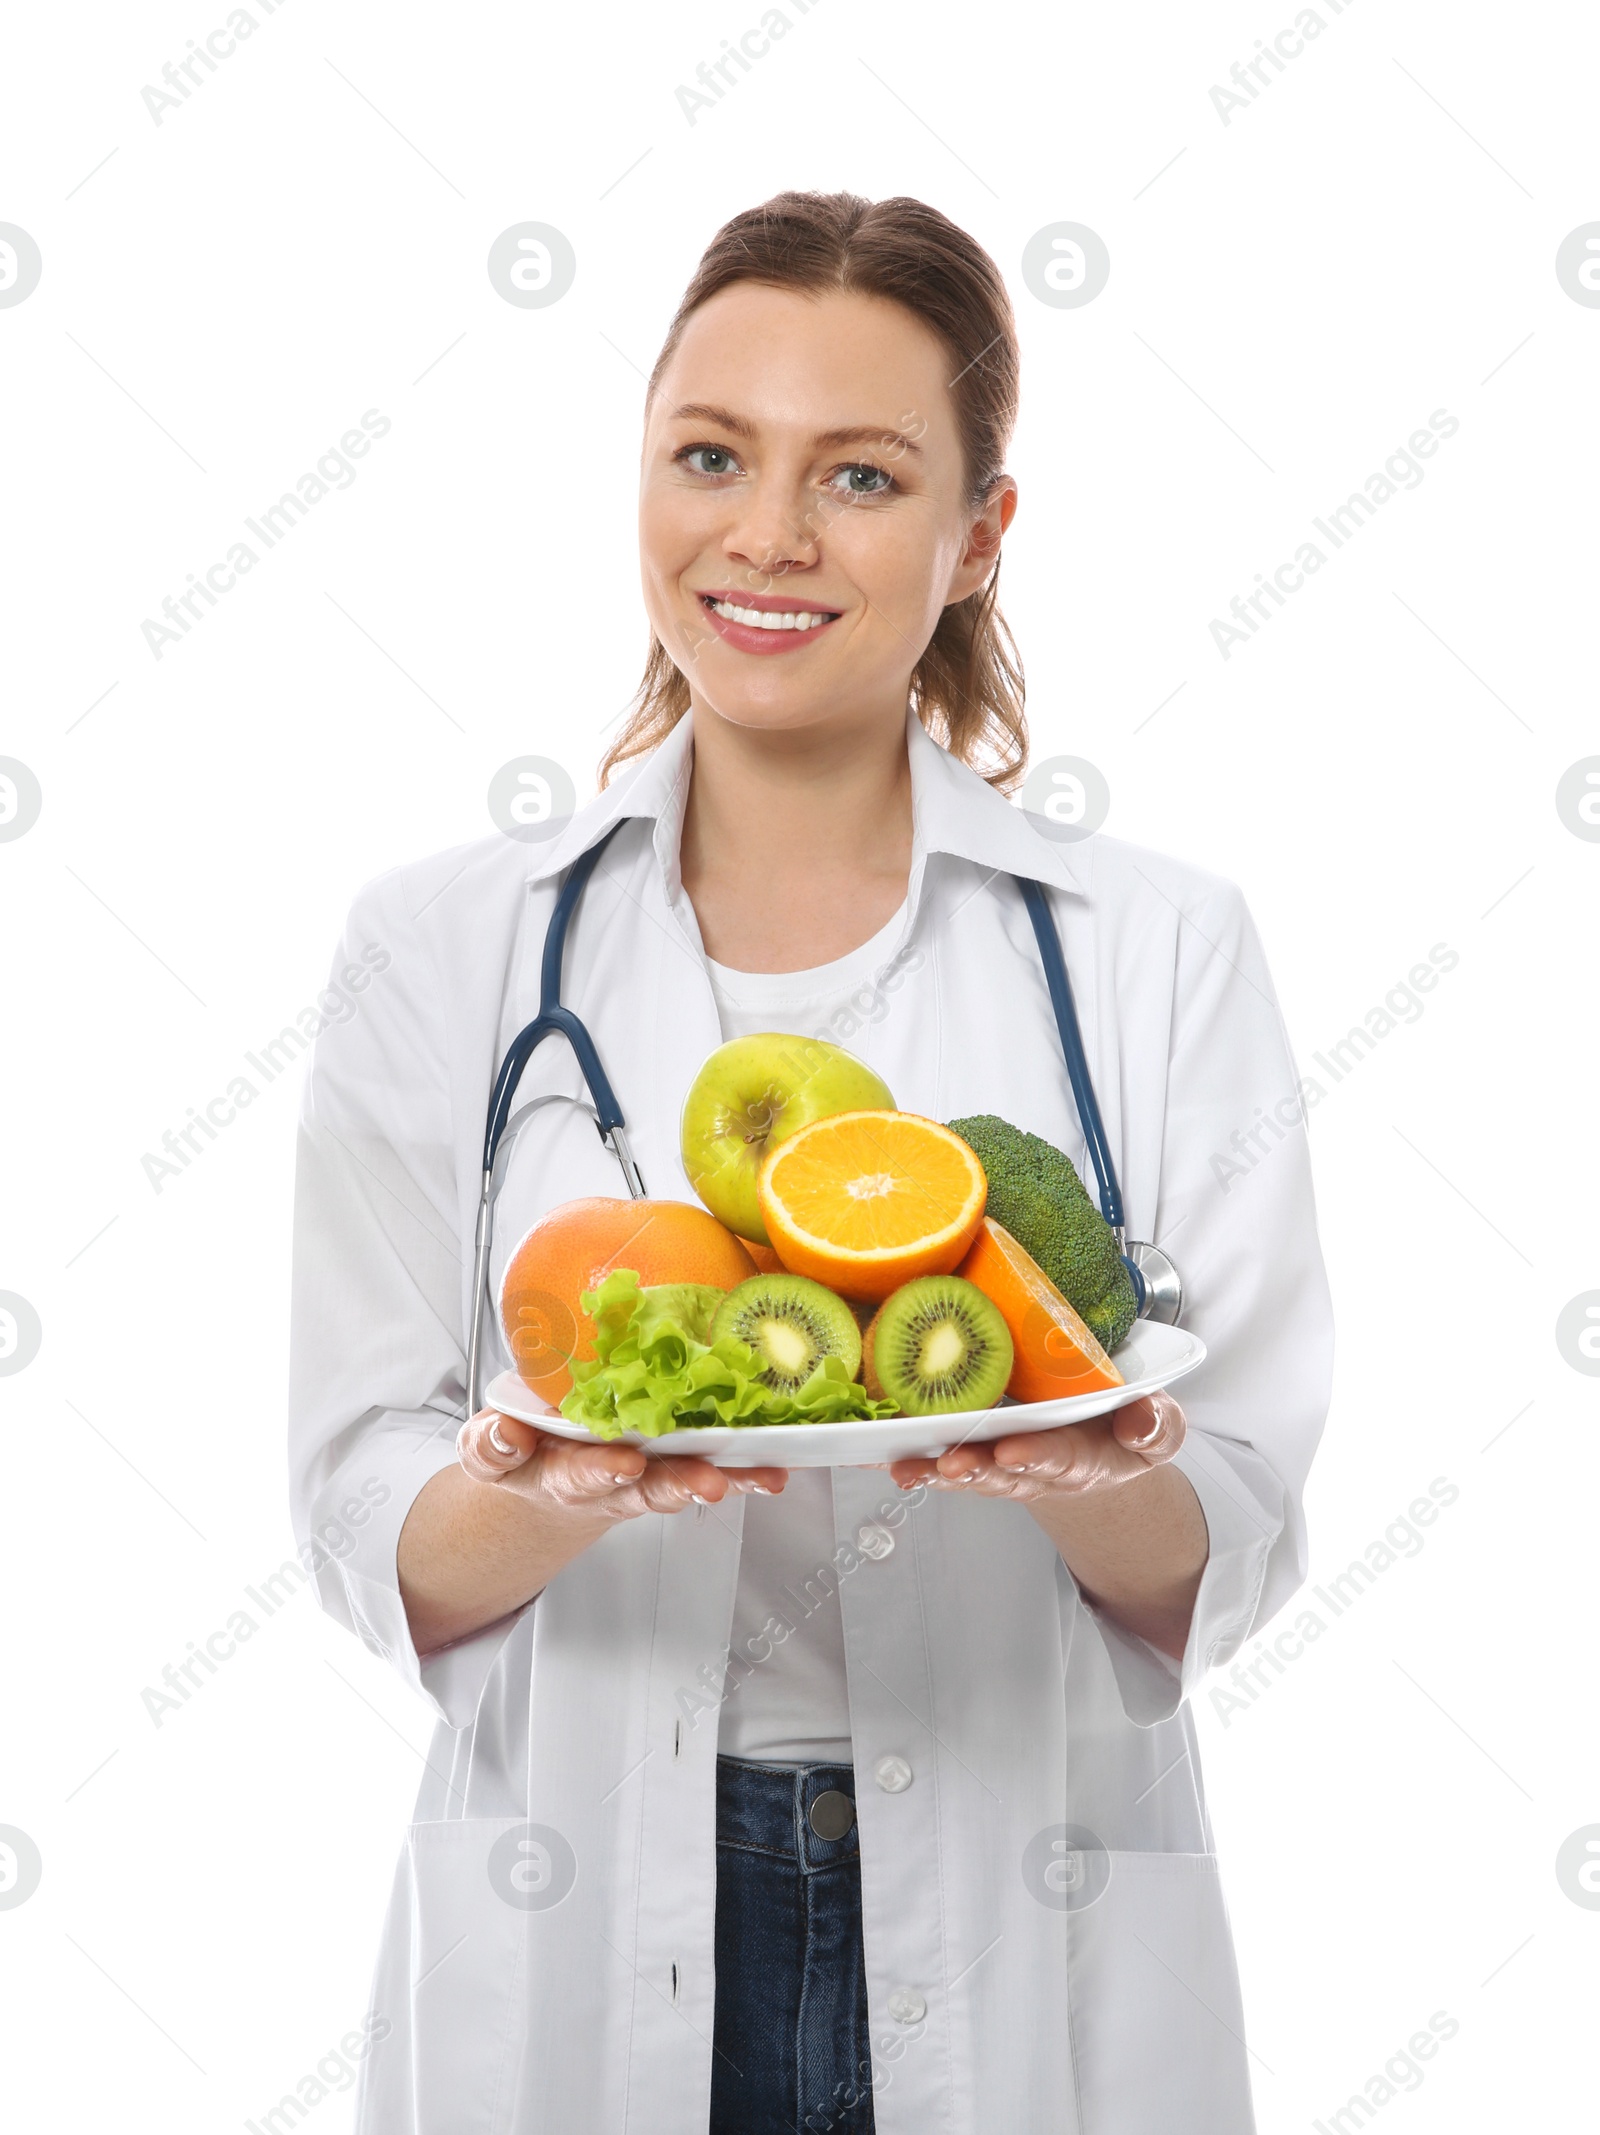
x=943 y=1862
x=894 y=319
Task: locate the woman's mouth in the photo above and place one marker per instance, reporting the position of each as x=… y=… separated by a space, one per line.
x=766 y=624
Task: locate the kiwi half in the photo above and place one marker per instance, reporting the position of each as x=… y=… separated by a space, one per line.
x=791 y=1323
x=938 y=1345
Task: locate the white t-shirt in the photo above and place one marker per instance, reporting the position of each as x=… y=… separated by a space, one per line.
x=794 y=1707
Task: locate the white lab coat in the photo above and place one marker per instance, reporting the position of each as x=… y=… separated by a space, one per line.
x=591 y=1713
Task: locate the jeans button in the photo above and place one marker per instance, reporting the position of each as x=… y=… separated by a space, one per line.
x=831 y=1814
x=874 y=1540
x=893 y=1774
x=907 y=2006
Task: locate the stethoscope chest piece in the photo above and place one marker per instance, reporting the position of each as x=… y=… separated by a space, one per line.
x=1163 y=1289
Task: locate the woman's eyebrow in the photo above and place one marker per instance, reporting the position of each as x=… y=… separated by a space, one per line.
x=868 y=434
x=700 y=411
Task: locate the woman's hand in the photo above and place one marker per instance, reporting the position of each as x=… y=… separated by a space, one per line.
x=1078 y=1458
x=1127 y=1524
x=615 y=1480
x=469 y=1555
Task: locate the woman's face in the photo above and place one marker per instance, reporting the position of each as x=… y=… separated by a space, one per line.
x=801 y=461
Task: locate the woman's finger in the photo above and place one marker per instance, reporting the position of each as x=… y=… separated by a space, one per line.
x=914 y=1469
x=662 y=1482
x=755 y=1482
x=964 y=1464
x=577 y=1471
x=670 y=1482
x=490 y=1445
x=1048 y=1456
x=1153 y=1428
x=493 y=1448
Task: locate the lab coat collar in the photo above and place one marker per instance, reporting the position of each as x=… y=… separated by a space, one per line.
x=953 y=811
x=656 y=786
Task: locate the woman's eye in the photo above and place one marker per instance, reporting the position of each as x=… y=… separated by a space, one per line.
x=717 y=459
x=862 y=480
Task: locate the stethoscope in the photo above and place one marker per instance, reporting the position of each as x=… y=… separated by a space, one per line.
x=1156 y=1283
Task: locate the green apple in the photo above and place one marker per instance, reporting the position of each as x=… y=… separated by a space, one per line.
x=753 y=1093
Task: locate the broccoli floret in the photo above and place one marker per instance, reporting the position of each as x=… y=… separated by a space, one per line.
x=1037 y=1195
x=1110 y=1320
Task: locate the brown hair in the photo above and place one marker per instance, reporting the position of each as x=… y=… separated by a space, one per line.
x=967 y=687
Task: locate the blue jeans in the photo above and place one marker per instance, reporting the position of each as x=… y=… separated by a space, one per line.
x=792 y=2055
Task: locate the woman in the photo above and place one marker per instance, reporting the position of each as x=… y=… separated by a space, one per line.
x=936 y=1856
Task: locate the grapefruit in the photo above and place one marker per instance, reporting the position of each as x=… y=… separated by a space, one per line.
x=575 y=1247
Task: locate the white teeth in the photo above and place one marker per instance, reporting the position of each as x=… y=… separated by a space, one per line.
x=770 y=618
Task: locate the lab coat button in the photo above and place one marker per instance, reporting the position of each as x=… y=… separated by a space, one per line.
x=893 y=1774
x=874 y=1540
x=907 y=2006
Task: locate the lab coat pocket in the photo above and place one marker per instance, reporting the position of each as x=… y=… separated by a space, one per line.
x=454 y=1978
x=1157 y=2026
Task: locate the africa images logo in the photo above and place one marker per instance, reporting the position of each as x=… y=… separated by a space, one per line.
x=332 y=471
x=1401 y=470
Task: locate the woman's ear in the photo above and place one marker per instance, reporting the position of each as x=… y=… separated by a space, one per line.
x=984 y=536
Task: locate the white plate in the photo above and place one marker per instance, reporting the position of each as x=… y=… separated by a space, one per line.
x=1152 y=1356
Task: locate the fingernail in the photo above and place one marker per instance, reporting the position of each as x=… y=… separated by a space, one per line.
x=619 y=1478
x=698 y=1499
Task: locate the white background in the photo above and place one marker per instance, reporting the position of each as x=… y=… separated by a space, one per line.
x=1292 y=294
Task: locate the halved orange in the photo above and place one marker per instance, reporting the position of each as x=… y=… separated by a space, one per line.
x=864 y=1201
x=1056 y=1353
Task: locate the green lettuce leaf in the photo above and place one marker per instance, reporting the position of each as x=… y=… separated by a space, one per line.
x=654 y=1371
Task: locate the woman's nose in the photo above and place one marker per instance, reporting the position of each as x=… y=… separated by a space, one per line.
x=775 y=529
